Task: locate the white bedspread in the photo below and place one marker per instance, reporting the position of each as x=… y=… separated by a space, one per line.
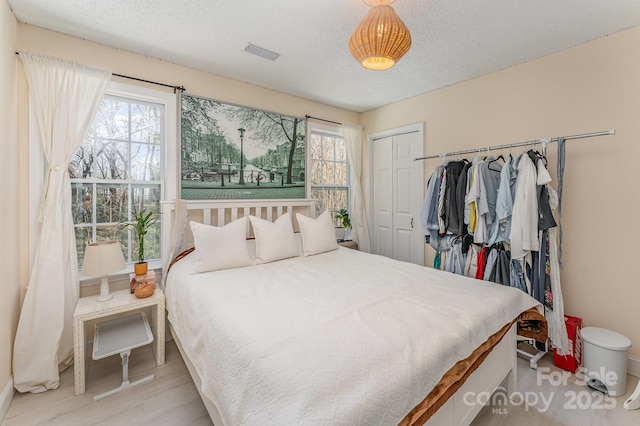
x=342 y=338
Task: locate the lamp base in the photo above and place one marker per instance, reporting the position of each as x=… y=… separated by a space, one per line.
x=104 y=298
x=104 y=290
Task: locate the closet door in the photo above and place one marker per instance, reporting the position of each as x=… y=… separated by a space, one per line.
x=382 y=238
x=408 y=242
x=397 y=183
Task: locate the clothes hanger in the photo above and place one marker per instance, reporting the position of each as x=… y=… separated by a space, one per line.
x=493 y=161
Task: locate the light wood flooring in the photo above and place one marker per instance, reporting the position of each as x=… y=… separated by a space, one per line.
x=172 y=399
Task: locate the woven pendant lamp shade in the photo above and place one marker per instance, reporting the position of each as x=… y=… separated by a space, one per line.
x=380 y=40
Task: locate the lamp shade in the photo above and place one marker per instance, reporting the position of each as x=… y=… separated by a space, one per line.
x=381 y=39
x=102 y=258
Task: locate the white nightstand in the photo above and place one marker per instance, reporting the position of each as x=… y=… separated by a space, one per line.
x=123 y=301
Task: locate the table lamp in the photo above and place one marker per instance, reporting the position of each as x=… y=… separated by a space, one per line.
x=102 y=259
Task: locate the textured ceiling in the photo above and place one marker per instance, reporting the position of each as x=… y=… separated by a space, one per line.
x=453 y=40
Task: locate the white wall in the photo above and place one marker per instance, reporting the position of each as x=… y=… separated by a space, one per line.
x=10 y=240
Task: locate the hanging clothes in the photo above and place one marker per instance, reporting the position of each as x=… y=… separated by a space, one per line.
x=501 y=272
x=430 y=199
x=482 y=263
x=524 y=218
x=471 y=263
x=489 y=183
x=457 y=224
x=555 y=316
x=545 y=220
x=495 y=222
x=441 y=198
x=504 y=204
x=456 y=260
x=491 y=263
x=517 y=277
x=429 y=214
x=469 y=200
x=540 y=280
x=454 y=171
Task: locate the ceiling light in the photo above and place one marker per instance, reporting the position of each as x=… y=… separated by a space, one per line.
x=381 y=39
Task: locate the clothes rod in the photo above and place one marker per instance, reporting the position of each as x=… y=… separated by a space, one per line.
x=514 y=145
x=175 y=88
x=322 y=119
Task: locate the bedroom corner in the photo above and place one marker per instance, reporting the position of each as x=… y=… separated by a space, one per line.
x=9 y=191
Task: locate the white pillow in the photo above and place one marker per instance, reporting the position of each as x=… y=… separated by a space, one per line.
x=318 y=235
x=220 y=248
x=274 y=241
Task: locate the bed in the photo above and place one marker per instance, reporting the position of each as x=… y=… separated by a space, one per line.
x=338 y=337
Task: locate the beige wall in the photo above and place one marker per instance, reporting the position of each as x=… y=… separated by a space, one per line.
x=37 y=40
x=589 y=88
x=9 y=212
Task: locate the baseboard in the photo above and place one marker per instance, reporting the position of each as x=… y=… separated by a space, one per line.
x=633 y=366
x=5 y=398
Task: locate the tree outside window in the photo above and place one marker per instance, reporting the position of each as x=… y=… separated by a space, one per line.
x=329 y=172
x=116 y=172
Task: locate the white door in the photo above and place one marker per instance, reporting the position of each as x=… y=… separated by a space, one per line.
x=382 y=238
x=397 y=192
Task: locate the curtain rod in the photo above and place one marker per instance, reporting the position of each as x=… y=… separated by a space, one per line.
x=322 y=119
x=513 y=145
x=175 y=88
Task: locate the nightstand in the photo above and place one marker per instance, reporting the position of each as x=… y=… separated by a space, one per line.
x=88 y=309
x=348 y=244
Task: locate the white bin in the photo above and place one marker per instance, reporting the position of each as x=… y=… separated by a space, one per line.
x=605 y=359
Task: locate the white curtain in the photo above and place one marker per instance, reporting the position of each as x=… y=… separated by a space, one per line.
x=63 y=99
x=176 y=244
x=353 y=142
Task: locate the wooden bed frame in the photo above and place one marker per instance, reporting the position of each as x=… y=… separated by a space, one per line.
x=499 y=366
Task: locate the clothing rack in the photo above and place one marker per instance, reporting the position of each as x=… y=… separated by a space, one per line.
x=513 y=145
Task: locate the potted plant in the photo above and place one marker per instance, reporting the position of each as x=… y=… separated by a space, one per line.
x=342 y=216
x=142 y=222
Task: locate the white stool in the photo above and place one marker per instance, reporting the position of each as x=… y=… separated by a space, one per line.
x=120 y=335
x=605 y=359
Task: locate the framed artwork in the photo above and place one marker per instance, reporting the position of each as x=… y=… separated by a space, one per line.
x=234 y=152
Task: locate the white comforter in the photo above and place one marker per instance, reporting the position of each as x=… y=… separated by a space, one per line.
x=341 y=338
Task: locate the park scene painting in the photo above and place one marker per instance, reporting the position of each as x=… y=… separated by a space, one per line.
x=233 y=152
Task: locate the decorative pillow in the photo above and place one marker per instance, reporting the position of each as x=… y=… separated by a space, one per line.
x=220 y=248
x=274 y=241
x=318 y=235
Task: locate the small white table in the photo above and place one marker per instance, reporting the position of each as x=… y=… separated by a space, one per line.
x=120 y=336
x=88 y=309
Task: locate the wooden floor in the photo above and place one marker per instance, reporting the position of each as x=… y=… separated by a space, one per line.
x=172 y=399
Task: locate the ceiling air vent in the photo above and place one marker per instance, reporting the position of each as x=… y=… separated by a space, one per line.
x=263 y=53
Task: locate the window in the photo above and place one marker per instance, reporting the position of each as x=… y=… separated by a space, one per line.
x=329 y=172
x=116 y=172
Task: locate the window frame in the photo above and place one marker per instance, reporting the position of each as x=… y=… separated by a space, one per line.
x=168 y=163
x=316 y=129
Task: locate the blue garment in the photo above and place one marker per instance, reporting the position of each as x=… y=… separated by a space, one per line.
x=504 y=206
x=560 y=173
x=517 y=276
x=456 y=260
x=429 y=212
